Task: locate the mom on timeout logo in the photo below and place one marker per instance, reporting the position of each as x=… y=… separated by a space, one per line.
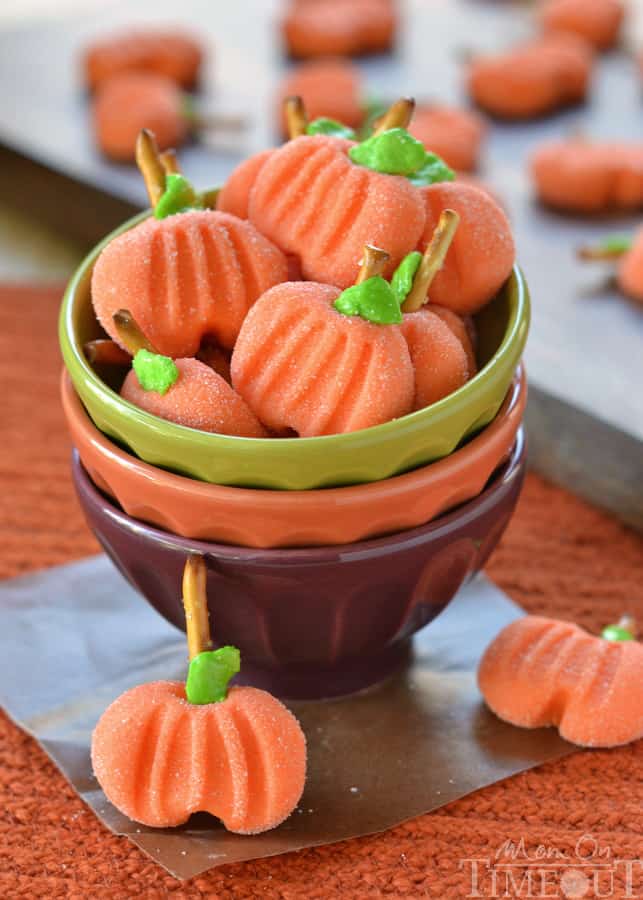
x=589 y=871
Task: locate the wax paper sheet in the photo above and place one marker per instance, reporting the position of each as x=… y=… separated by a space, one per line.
x=76 y=636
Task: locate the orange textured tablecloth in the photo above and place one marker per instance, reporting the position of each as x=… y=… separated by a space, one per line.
x=559 y=557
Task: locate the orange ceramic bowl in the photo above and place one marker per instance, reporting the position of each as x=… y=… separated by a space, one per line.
x=270 y=518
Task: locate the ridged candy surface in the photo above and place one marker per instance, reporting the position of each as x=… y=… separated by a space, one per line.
x=482 y=252
x=234 y=196
x=185 y=277
x=311 y=200
x=200 y=398
x=463 y=329
x=301 y=365
x=541 y=672
x=159 y=758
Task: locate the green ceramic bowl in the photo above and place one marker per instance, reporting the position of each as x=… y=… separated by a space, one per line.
x=299 y=463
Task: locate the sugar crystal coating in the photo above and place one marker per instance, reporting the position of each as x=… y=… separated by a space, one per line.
x=540 y=672
x=301 y=365
x=184 y=277
x=159 y=758
x=311 y=200
x=200 y=398
x=439 y=359
x=235 y=193
x=482 y=252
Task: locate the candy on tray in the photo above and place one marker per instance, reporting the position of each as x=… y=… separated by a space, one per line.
x=329 y=88
x=185 y=391
x=187 y=276
x=164 y=750
x=540 y=672
x=598 y=22
x=171 y=53
x=587 y=176
x=312 y=359
x=456 y=135
x=533 y=79
x=130 y=101
x=314 y=28
x=627 y=254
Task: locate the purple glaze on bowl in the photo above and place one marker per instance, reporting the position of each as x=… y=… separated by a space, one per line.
x=316 y=622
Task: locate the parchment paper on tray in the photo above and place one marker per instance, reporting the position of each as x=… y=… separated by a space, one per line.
x=378 y=758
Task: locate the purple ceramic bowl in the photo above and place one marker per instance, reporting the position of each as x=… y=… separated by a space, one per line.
x=318 y=622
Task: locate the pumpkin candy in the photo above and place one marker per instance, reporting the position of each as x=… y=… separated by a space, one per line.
x=579 y=175
x=438 y=343
x=316 y=360
x=540 y=672
x=454 y=134
x=338 y=27
x=165 y=750
x=186 y=273
x=174 y=55
x=186 y=391
x=329 y=88
x=597 y=22
x=533 y=79
x=130 y=101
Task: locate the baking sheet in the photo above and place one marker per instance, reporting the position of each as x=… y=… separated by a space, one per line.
x=585 y=352
x=75 y=637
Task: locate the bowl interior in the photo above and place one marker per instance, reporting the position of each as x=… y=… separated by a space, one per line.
x=298 y=463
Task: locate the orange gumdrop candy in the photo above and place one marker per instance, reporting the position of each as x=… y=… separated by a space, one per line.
x=438 y=357
x=597 y=22
x=629 y=274
x=185 y=277
x=541 y=672
x=454 y=134
x=159 y=758
x=338 y=27
x=482 y=252
x=301 y=365
x=533 y=79
x=234 y=195
x=200 y=398
x=129 y=102
x=311 y=200
x=589 y=176
x=172 y=54
x=330 y=88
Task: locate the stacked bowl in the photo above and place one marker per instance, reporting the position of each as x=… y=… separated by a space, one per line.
x=324 y=554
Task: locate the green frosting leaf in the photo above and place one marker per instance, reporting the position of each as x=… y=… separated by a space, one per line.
x=373 y=300
x=331 y=127
x=155 y=372
x=179 y=196
x=434 y=170
x=394 y=152
x=618 y=243
x=209 y=674
x=616 y=633
x=402 y=280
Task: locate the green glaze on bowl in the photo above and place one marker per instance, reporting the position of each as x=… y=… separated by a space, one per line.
x=299 y=463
